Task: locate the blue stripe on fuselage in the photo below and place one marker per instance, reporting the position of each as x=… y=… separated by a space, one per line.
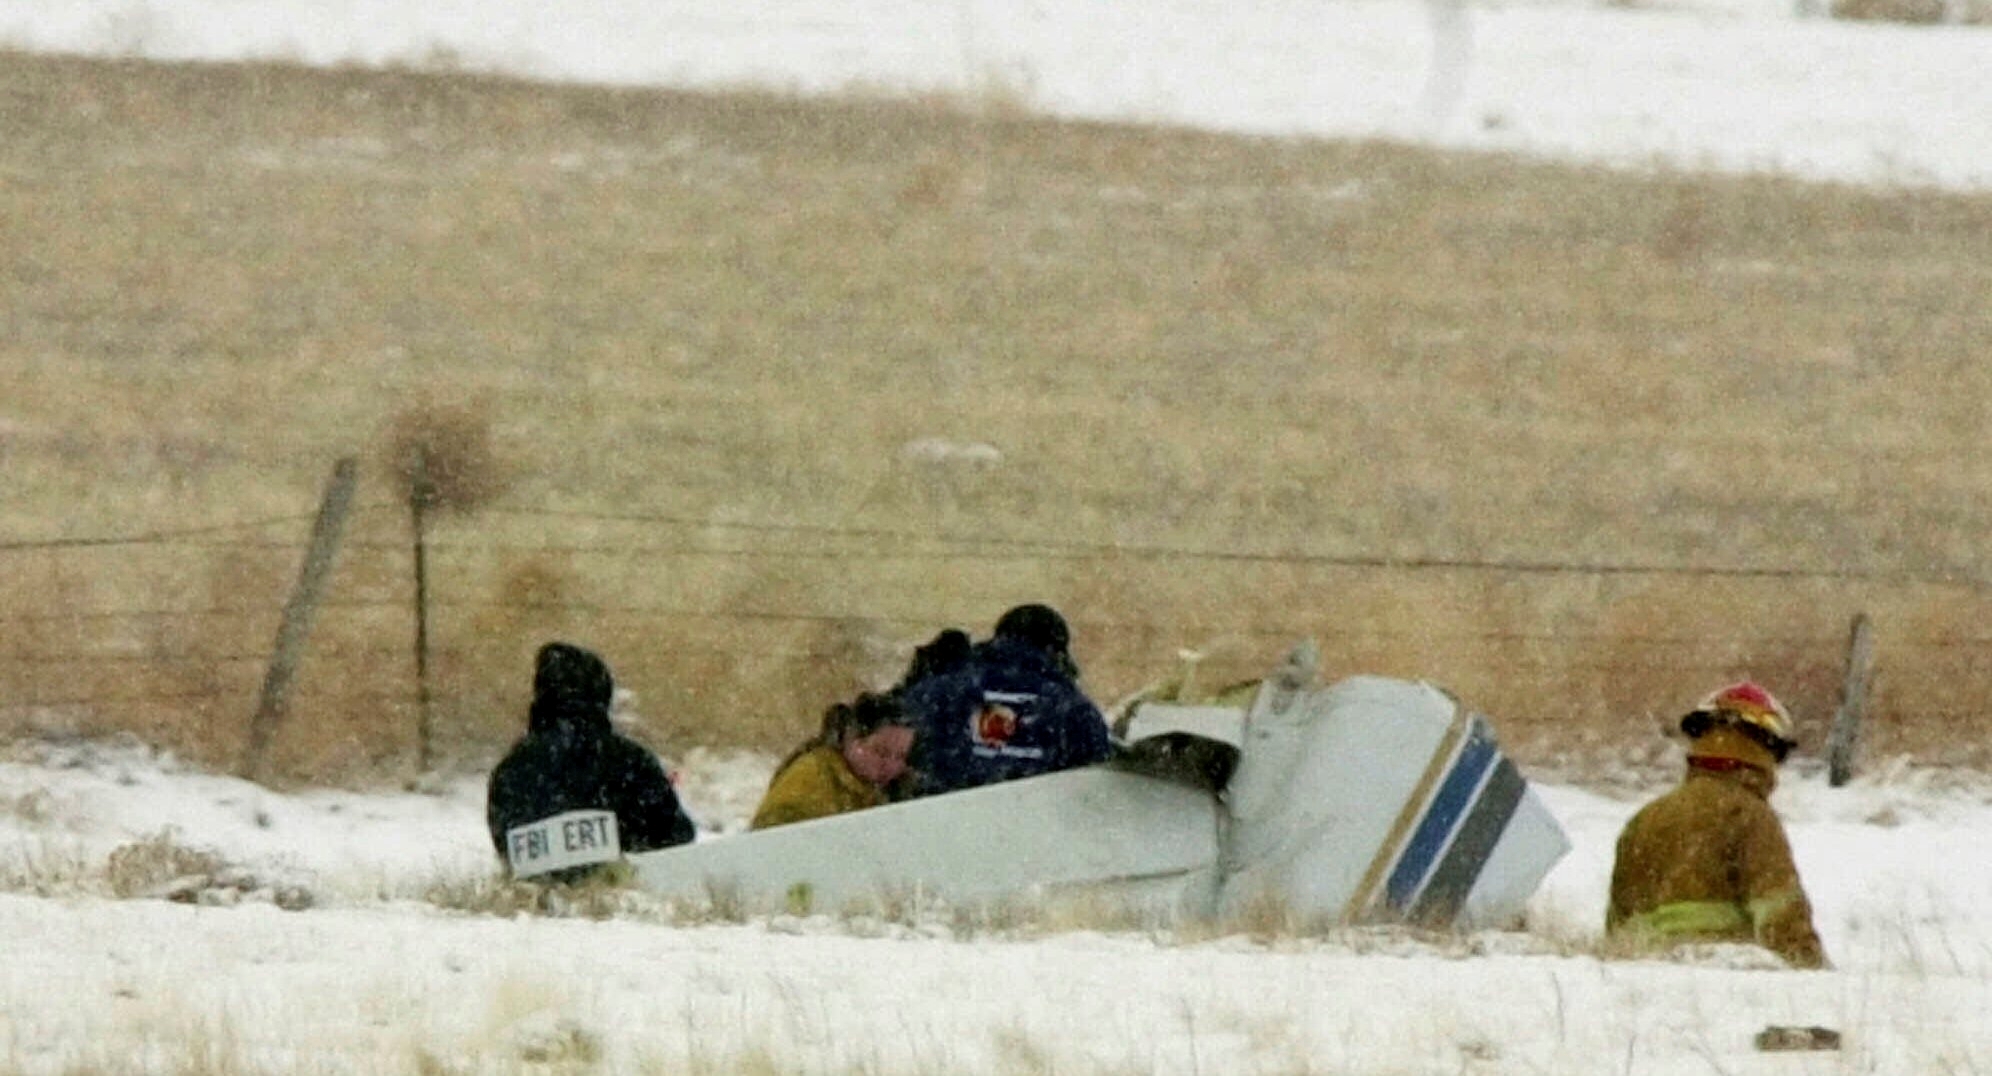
x=1446 y=891
x=1447 y=808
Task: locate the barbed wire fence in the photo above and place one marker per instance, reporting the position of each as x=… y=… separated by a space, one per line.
x=106 y=631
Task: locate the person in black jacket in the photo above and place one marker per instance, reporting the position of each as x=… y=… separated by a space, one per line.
x=1011 y=709
x=550 y=800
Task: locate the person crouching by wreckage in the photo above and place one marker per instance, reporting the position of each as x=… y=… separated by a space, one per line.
x=573 y=795
x=846 y=766
x=1709 y=861
x=1011 y=709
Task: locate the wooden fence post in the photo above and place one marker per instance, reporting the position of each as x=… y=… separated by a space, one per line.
x=421 y=492
x=1845 y=737
x=298 y=611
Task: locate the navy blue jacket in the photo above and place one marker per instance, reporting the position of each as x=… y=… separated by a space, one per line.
x=1008 y=712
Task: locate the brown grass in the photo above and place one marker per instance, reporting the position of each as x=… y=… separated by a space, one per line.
x=142 y=865
x=698 y=311
x=1916 y=12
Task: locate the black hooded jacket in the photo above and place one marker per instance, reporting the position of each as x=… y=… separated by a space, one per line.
x=571 y=759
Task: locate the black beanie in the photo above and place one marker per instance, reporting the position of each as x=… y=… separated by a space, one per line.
x=1038 y=625
x=571 y=675
x=945 y=652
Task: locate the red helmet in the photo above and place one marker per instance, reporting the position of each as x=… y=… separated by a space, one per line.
x=1748 y=708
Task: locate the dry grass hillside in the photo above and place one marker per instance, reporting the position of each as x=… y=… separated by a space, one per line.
x=752 y=393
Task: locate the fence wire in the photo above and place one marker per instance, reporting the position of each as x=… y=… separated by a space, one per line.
x=856 y=544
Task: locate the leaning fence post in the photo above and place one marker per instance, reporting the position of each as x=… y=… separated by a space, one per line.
x=1845 y=737
x=325 y=531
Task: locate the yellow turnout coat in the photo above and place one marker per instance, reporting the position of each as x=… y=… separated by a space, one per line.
x=1709 y=862
x=815 y=784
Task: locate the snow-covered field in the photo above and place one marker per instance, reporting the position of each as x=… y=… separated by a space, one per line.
x=374 y=976
x=1732 y=84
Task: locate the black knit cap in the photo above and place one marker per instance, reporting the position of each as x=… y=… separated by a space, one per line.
x=570 y=674
x=945 y=652
x=1038 y=625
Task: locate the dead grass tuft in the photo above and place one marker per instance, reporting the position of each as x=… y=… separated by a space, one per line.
x=1267 y=916
x=46 y=869
x=140 y=867
x=36 y=807
x=442 y=457
x=606 y=895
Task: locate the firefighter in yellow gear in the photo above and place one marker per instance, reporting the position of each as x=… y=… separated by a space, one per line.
x=1709 y=861
x=859 y=751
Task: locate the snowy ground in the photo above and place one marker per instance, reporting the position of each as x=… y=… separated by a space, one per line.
x=1732 y=84
x=373 y=977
